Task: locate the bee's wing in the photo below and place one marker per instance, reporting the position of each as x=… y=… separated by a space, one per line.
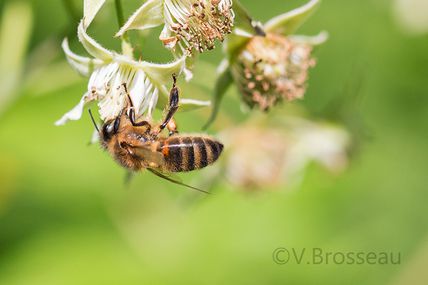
x=148 y=154
x=174 y=179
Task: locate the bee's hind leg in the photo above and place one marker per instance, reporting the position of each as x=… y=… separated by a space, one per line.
x=173 y=105
x=172 y=127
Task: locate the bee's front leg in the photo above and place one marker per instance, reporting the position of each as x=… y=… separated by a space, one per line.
x=131 y=112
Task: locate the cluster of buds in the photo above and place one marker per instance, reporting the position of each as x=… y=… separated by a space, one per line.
x=269 y=151
x=267 y=62
x=271 y=69
x=268 y=65
x=197 y=25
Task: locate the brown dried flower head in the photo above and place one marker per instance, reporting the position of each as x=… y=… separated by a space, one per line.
x=271 y=69
x=196 y=24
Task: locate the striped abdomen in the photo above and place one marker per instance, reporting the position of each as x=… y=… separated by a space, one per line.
x=185 y=153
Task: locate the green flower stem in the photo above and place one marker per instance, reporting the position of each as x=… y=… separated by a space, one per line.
x=120 y=18
x=119 y=12
x=72 y=11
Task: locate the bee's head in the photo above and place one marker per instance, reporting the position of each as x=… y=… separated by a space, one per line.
x=109 y=129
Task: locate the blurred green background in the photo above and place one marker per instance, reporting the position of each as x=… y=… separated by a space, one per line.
x=66 y=217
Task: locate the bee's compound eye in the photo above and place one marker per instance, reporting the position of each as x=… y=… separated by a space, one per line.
x=109 y=129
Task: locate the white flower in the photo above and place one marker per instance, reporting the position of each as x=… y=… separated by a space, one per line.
x=188 y=24
x=411 y=15
x=146 y=82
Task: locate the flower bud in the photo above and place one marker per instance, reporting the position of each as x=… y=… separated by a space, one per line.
x=272 y=69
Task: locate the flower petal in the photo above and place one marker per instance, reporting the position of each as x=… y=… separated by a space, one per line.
x=83 y=65
x=91 y=46
x=90 y=10
x=192 y=104
x=137 y=90
x=161 y=74
x=75 y=114
x=310 y=40
x=95 y=138
x=149 y=15
x=289 y=22
x=188 y=74
x=107 y=86
x=189 y=66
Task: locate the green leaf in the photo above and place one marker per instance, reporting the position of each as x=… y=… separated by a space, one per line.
x=289 y=22
x=223 y=83
x=149 y=15
x=243 y=20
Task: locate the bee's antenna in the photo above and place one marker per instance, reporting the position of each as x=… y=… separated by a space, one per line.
x=93 y=121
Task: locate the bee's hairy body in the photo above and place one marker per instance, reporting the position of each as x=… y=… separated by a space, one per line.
x=177 y=153
x=187 y=153
x=139 y=145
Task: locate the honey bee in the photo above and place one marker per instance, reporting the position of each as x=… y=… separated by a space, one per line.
x=138 y=145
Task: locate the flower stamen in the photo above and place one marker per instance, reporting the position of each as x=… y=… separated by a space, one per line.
x=196 y=24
